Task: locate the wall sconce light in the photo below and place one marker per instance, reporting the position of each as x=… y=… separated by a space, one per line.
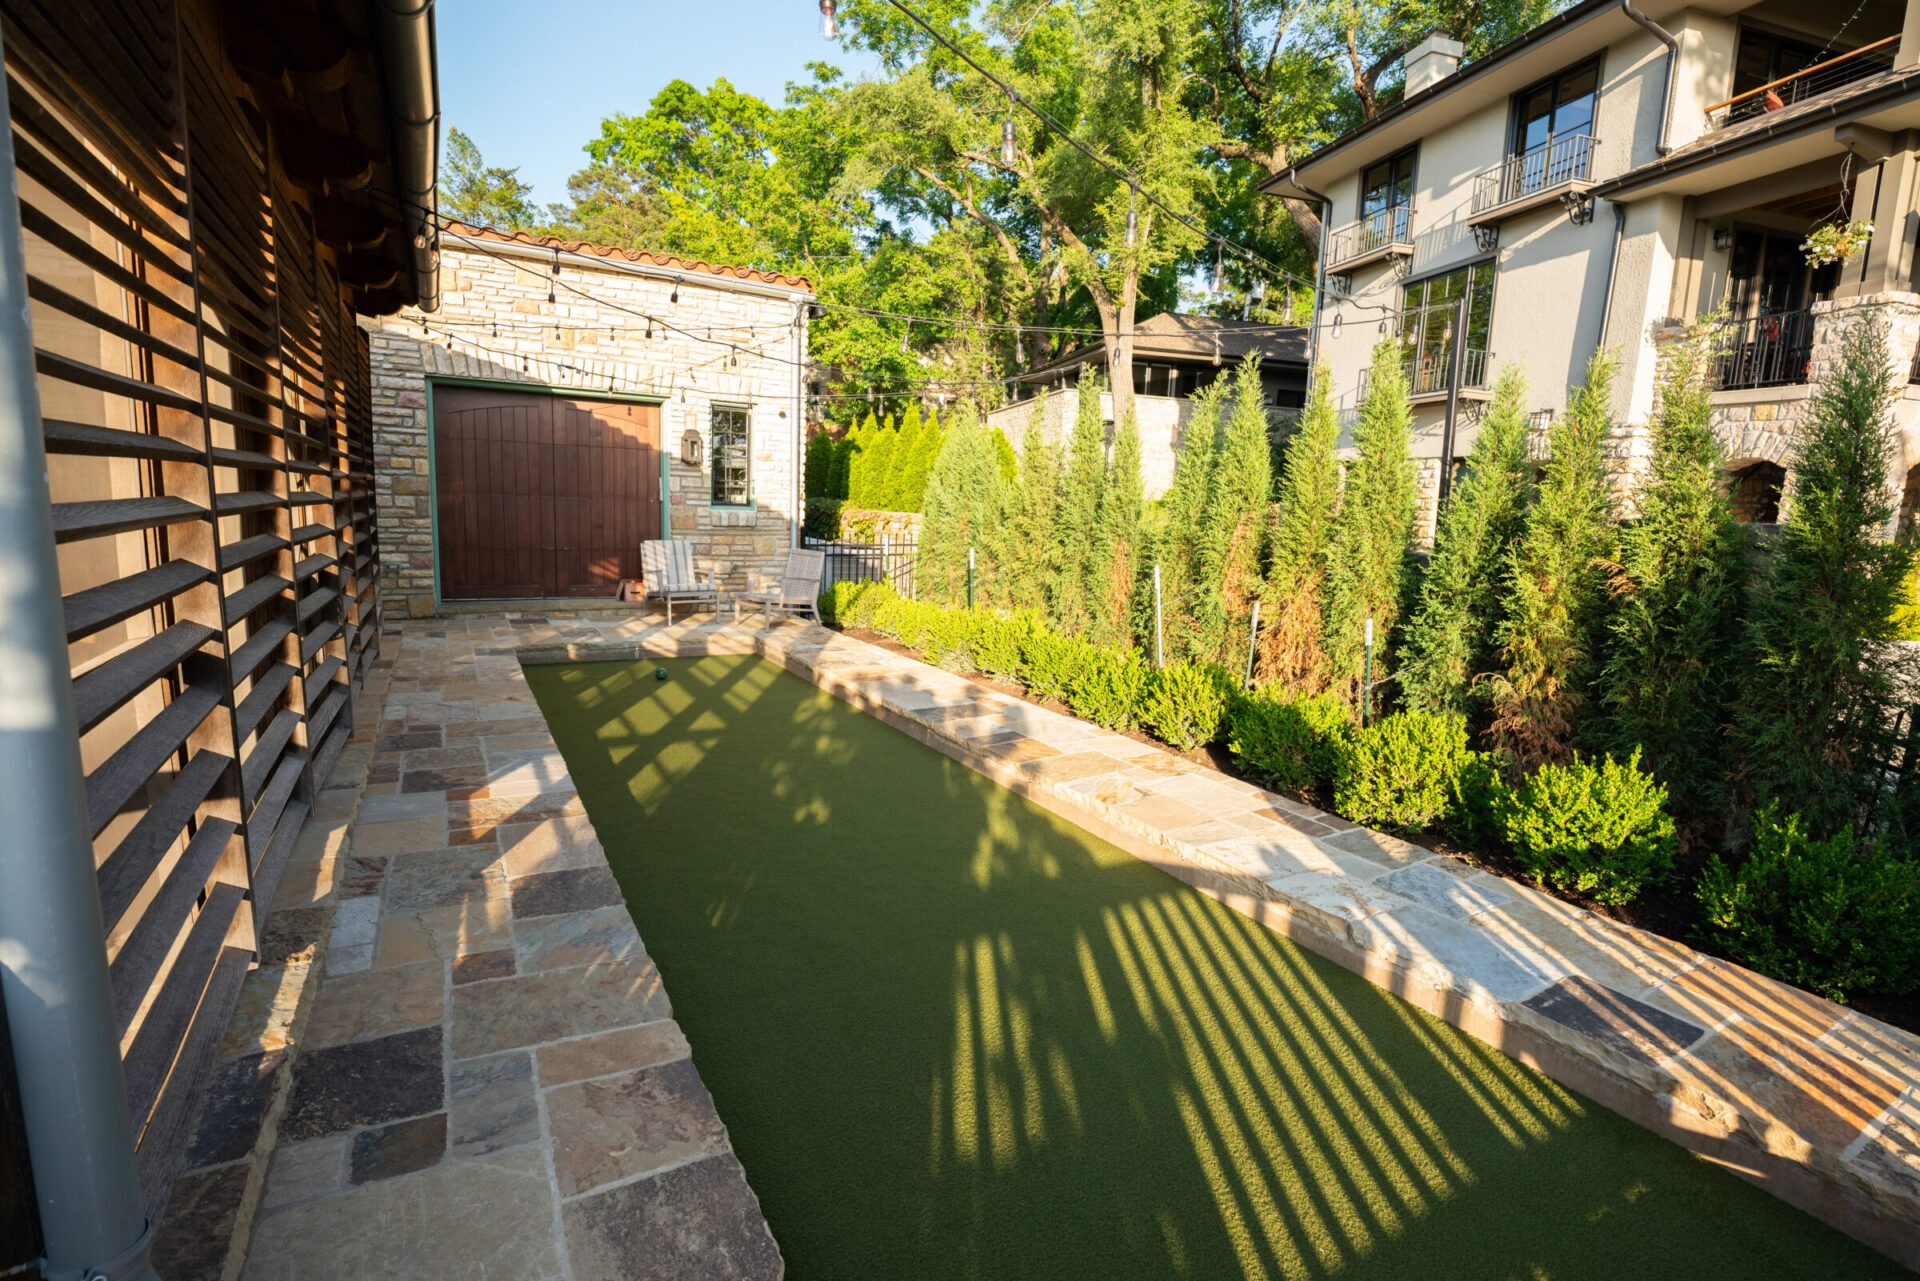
x=1723 y=238
x=690 y=448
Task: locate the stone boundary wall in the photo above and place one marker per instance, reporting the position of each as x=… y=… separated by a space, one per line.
x=495 y=307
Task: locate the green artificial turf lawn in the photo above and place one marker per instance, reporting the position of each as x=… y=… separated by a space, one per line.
x=952 y=1035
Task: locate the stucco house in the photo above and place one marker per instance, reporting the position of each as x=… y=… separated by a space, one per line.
x=1175 y=356
x=1620 y=170
x=569 y=401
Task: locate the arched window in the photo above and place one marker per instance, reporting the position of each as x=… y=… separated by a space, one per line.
x=1755 y=489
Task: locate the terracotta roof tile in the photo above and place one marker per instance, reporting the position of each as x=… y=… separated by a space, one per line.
x=667 y=261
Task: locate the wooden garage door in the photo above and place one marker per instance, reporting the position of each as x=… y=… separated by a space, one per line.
x=542 y=496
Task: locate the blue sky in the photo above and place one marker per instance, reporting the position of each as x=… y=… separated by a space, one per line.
x=530 y=83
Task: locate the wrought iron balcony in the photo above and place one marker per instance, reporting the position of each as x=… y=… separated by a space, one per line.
x=1821 y=77
x=1428 y=369
x=1557 y=167
x=1764 y=351
x=1385 y=233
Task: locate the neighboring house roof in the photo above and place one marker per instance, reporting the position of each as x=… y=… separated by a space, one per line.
x=667 y=262
x=1182 y=336
x=1756 y=130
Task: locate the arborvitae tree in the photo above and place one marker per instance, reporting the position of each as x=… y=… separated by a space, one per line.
x=1077 y=523
x=839 y=473
x=819 y=464
x=1233 y=525
x=1030 y=564
x=1003 y=450
x=1556 y=585
x=897 y=487
x=860 y=443
x=1450 y=641
x=1183 y=512
x=919 y=460
x=966 y=508
x=1300 y=531
x=874 y=474
x=1118 y=542
x=1370 y=558
x=1823 y=680
x=1673 y=633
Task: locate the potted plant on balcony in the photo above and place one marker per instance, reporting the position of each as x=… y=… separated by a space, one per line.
x=1835 y=242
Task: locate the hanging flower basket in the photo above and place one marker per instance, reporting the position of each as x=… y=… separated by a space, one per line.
x=1836 y=242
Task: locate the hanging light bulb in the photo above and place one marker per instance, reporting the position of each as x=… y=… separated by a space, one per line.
x=1338 y=320
x=556 y=260
x=550 y=297
x=420 y=237
x=674 y=297
x=1008 y=150
x=903 y=337
x=827 y=28
x=496 y=329
x=523 y=364
x=1133 y=216
x=1219 y=271
x=649 y=328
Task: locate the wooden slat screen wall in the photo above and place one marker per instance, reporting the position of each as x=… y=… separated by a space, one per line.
x=207 y=420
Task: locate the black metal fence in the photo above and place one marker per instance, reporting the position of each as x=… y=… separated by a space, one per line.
x=1765 y=351
x=889 y=561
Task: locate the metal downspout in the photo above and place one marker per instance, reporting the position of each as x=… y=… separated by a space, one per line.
x=1613 y=269
x=53 y=956
x=1320 y=274
x=413 y=90
x=1665 y=37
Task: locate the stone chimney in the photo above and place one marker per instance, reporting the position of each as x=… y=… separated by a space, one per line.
x=1431 y=61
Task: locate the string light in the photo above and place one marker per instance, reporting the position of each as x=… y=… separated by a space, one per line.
x=1219 y=272
x=1009 y=153
x=827 y=28
x=674 y=297
x=1133 y=217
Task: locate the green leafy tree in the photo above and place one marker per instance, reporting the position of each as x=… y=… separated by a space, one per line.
x=1117 y=563
x=481 y=194
x=1450 y=641
x=1670 y=671
x=966 y=508
x=1556 y=585
x=1369 y=562
x=1180 y=544
x=1824 y=677
x=1030 y=563
x=1293 y=649
x=1077 y=521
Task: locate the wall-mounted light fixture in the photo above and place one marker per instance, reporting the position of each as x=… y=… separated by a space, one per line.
x=690 y=448
x=1723 y=238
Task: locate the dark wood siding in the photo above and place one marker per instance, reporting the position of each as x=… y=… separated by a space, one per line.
x=542 y=496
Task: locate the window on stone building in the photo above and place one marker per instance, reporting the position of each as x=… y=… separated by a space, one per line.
x=1754 y=491
x=730 y=456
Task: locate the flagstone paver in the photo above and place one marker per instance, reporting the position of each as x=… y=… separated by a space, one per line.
x=553 y=1086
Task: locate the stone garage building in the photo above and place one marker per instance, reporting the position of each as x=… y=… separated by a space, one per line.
x=569 y=401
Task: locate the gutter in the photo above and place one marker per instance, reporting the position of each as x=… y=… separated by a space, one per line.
x=1665 y=37
x=405 y=32
x=1613 y=269
x=1693 y=155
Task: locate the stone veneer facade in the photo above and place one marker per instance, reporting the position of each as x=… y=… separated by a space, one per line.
x=594 y=336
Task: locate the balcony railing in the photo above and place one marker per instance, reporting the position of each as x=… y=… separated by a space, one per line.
x=1427 y=371
x=1765 y=351
x=1381 y=230
x=1821 y=77
x=1553 y=163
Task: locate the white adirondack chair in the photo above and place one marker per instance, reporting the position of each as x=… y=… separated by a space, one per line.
x=667 y=566
x=796 y=591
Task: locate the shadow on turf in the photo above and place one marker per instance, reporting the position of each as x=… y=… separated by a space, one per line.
x=953 y=1035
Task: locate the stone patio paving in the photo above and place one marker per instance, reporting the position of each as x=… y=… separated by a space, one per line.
x=456 y=1053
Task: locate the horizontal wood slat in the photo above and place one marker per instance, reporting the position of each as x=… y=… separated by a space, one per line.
x=263 y=642
x=97 y=607
x=133 y=861
x=115 y=780
x=152 y=937
x=164 y=1028
x=95 y=519
x=101 y=691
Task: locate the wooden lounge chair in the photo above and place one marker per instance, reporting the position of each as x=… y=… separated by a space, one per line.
x=797 y=590
x=670 y=578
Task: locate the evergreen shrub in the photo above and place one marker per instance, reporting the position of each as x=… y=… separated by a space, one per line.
x=1295 y=743
x=852 y=604
x=1048 y=661
x=1404 y=771
x=1595 y=828
x=1827 y=915
x=1107 y=686
x=999 y=642
x=1186 y=704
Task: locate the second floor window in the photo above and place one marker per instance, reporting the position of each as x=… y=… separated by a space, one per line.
x=730 y=456
x=1387 y=185
x=1558 y=107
